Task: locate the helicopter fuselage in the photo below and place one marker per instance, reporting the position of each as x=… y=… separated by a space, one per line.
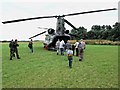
x=50 y=40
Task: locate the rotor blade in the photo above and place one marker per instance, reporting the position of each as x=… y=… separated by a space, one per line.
x=18 y=20
x=70 y=24
x=38 y=34
x=90 y=12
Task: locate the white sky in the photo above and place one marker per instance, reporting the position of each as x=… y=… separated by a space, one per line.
x=17 y=9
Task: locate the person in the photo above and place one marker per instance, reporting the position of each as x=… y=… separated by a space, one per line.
x=62 y=45
x=81 y=48
x=70 y=56
x=73 y=48
x=30 y=45
x=68 y=45
x=15 y=45
x=83 y=43
x=76 y=47
x=57 y=46
x=11 y=49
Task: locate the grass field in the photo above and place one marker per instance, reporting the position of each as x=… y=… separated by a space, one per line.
x=45 y=69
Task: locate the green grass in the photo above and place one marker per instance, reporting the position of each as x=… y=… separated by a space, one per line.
x=45 y=69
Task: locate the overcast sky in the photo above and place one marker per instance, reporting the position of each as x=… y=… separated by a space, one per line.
x=17 y=9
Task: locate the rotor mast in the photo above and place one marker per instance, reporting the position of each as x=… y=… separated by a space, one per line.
x=60 y=29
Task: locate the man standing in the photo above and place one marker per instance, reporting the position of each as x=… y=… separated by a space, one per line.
x=83 y=43
x=11 y=49
x=76 y=47
x=62 y=45
x=30 y=45
x=81 y=48
x=15 y=45
x=68 y=45
x=57 y=46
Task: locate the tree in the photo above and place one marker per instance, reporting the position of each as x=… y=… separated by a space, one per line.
x=81 y=32
x=116 y=32
x=106 y=32
x=95 y=31
x=91 y=35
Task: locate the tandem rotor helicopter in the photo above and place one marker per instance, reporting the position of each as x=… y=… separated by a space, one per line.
x=60 y=33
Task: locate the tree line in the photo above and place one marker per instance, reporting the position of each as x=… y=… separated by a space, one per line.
x=105 y=32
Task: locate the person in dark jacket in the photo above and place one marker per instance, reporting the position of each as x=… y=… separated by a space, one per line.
x=30 y=45
x=11 y=49
x=15 y=45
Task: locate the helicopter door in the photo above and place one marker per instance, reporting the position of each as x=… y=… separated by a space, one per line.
x=55 y=39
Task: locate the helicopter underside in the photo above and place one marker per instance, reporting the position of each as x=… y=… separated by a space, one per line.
x=51 y=46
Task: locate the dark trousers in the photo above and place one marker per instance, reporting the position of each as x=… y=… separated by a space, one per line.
x=76 y=51
x=16 y=51
x=12 y=53
x=62 y=51
x=70 y=63
x=31 y=50
x=81 y=52
x=73 y=52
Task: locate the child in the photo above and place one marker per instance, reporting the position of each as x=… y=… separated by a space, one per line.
x=70 y=57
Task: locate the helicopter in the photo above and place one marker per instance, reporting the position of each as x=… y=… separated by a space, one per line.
x=60 y=33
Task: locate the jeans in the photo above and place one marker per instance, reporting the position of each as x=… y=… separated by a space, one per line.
x=31 y=50
x=76 y=51
x=62 y=51
x=70 y=63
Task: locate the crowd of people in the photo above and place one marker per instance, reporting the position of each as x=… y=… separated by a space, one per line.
x=62 y=47
x=70 y=49
x=13 y=45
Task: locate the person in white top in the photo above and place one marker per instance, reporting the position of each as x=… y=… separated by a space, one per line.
x=62 y=45
x=57 y=46
x=76 y=47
